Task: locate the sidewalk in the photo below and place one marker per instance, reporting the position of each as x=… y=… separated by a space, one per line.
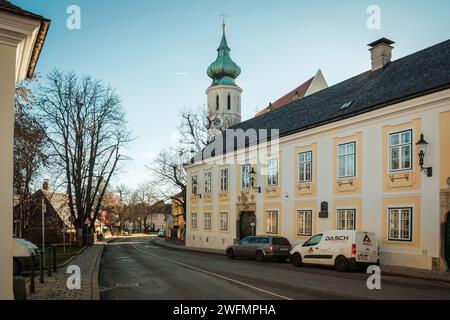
x=55 y=288
x=386 y=270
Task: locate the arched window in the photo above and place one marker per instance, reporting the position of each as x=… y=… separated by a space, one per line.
x=217 y=102
x=229 y=102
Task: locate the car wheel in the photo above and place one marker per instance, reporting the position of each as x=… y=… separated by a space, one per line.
x=259 y=256
x=230 y=254
x=341 y=264
x=297 y=260
x=17 y=269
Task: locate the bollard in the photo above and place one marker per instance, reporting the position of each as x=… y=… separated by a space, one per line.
x=41 y=267
x=54 y=260
x=49 y=261
x=32 y=287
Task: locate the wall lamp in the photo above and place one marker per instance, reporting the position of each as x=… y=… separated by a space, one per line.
x=422 y=145
x=194 y=186
x=253 y=174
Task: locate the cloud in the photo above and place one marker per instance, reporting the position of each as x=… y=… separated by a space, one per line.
x=178 y=73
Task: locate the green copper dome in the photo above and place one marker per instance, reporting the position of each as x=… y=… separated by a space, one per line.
x=223 y=71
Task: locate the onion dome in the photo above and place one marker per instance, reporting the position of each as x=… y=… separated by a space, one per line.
x=223 y=71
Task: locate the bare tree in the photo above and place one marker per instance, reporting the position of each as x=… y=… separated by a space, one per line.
x=29 y=154
x=85 y=125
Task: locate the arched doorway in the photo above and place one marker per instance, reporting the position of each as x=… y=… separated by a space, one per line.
x=447 y=240
x=245 y=224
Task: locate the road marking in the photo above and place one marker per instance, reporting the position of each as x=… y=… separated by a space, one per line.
x=217 y=275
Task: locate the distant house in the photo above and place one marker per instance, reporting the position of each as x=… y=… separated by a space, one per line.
x=56 y=220
x=157 y=218
x=311 y=86
x=178 y=218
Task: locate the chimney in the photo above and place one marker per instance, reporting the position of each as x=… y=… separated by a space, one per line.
x=45 y=185
x=381 y=53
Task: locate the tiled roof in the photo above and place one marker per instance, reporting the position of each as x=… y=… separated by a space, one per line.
x=8 y=6
x=415 y=75
x=418 y=74
x=297 y=93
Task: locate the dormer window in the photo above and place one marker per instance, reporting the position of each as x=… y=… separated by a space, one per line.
x=217 y=102
x=229 y=102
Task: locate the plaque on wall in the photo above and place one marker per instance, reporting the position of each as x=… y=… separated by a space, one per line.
x=323 y=210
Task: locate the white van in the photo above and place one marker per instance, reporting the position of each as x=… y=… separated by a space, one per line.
x=343 y=249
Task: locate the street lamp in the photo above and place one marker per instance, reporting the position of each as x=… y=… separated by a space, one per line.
x=422 y=145
x=195 y=187
x=253 y=180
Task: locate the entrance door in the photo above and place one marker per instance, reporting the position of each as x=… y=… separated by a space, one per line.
x=447 y=240
x=245 y=228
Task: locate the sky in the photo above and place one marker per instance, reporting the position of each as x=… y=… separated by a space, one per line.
x=155 y=53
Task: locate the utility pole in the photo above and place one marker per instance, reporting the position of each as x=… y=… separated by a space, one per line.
x=44 y=209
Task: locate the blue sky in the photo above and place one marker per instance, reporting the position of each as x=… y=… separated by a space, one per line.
x=156 y=52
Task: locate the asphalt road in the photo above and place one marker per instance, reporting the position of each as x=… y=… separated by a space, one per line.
x=139 y=268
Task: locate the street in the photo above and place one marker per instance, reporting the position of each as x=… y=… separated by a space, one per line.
x=140 y=269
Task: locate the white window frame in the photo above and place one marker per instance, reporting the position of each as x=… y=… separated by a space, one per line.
x=194 y=185
x=401 y=146
x=246 y=174
x=194 y=220
x=305 y=216
x=399 y=219
x=208 y=182
x=224 y=221
x=272 y=215
x=224 y=180
x=272 y=172
x=303 y=165
x=207 y=222
x=346 y=218
x=346 y=156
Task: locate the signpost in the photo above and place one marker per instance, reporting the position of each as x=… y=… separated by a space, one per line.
x=44 y=210
x=253 y=223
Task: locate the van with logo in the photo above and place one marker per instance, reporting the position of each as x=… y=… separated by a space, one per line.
x=342 y=249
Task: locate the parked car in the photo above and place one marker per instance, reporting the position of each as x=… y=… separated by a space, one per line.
x=23 y=250
x=161 y=233
x=261 y=248
x=343 y=249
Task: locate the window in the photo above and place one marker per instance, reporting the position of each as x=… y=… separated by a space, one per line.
x=347 y=160
x=194 y=185
x=224 y=180
x=346 y=219
x=229 y=102
x=194 y=220
x=305 y=166
x=224 y=221
x=246 y=176
x=207 y=221
x=217 y=102
x=400 y=224
x=272 y=222
x=314 y=241
x=208 y=182
x=304 y=222
x=272 y=172
x=400 y=151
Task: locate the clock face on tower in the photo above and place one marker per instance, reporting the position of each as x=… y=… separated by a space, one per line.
x=216 y=121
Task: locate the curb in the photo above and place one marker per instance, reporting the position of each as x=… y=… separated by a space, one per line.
x=160 y=243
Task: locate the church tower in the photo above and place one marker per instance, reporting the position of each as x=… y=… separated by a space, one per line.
x=224 y=96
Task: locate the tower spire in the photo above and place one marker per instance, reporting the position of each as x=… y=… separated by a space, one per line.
x=224 y=26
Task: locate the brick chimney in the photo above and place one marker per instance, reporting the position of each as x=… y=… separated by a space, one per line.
x=381 y=53
x=46 y=185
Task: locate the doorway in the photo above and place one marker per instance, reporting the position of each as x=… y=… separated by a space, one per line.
x=245 y=224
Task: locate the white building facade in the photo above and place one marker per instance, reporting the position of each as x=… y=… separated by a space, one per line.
x=359 y=170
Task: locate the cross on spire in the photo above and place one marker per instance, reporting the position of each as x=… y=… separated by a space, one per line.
x=223 y=15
